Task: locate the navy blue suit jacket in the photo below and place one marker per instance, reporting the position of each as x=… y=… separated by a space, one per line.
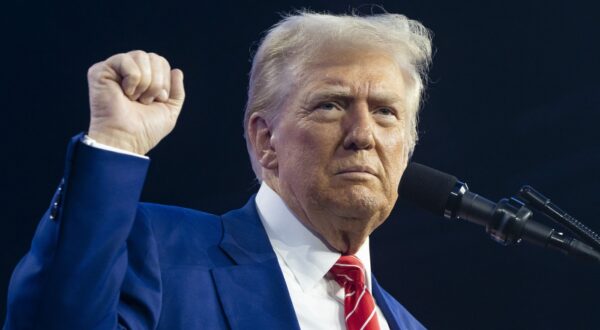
x=101 y=260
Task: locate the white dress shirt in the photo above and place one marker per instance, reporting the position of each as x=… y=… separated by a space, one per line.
x=93 y=143
x=305 y=261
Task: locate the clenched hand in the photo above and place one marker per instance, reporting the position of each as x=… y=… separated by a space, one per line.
x=135 y=99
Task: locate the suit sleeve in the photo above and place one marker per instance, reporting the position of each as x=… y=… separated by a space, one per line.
x=93 y=262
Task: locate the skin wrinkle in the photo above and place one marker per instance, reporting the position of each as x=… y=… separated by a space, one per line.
x=310 y=145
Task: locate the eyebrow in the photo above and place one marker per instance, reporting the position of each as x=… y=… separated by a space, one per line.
x=337 y=90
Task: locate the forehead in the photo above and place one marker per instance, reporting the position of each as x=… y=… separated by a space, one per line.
x=372 y=74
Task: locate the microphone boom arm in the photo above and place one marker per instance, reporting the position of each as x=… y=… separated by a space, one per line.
x=508 y=222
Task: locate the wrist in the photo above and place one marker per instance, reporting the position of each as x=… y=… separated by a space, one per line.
x=117 y=140
x=93 y=143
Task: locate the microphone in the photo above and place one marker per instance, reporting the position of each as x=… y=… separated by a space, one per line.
x=508 y=221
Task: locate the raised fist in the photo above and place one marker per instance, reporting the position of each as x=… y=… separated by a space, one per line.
x=135 y=99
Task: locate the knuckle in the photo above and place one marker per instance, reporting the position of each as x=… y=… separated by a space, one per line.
x=155 y=87
x=145 y=73
x=118 y=58
x=158 y=58
x=136 y=53
x=166 y=64
x=93 y=70
x=163 y=60
x=144 y=83
x=154 y=57
x=134 y=75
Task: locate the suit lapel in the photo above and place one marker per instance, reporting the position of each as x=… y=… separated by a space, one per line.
x=253 y=291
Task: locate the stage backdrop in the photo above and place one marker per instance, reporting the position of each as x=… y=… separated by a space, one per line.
x=513 y=99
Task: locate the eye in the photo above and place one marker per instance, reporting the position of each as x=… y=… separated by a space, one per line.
x=385 y=111
x=327 y=106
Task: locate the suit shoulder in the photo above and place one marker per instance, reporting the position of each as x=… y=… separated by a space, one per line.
x=169 y=217
x=178 y=230
x=156 y=211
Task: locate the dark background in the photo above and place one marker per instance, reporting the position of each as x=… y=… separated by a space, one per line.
x=513 y=99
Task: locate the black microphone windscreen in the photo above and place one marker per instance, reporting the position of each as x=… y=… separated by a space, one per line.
x=426 y=187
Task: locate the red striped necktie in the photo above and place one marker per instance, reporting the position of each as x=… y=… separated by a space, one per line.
x=359 y=306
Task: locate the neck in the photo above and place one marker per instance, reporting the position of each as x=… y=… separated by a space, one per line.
x=341 y=232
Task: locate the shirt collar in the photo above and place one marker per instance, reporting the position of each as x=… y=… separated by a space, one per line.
x=308 y=257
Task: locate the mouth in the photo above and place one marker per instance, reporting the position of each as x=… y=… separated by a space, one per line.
x=357 y=171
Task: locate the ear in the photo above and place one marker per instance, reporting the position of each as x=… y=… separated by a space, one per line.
x=259 y=134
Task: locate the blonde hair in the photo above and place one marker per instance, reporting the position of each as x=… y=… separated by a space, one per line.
x=290 y=44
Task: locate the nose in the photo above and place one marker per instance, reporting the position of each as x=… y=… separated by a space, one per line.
x=359 y=129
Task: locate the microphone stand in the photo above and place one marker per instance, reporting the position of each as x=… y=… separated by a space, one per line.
x=511 y=224
x=543 y=204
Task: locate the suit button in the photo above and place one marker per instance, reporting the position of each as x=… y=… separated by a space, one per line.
x=54 y=211
x=54 y=206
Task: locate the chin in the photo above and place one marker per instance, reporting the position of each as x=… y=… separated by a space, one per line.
x=359 y=202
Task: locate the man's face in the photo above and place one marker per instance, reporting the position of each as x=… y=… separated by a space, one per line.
x=341 y=142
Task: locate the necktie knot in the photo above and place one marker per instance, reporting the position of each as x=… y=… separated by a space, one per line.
x=348 y=270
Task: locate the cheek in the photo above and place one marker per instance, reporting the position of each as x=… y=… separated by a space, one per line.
x=395 y=155
x=303 y=149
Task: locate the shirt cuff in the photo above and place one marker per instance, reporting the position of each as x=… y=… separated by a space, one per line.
x=93 y=143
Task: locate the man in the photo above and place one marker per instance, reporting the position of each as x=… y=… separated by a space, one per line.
x=330 y=124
